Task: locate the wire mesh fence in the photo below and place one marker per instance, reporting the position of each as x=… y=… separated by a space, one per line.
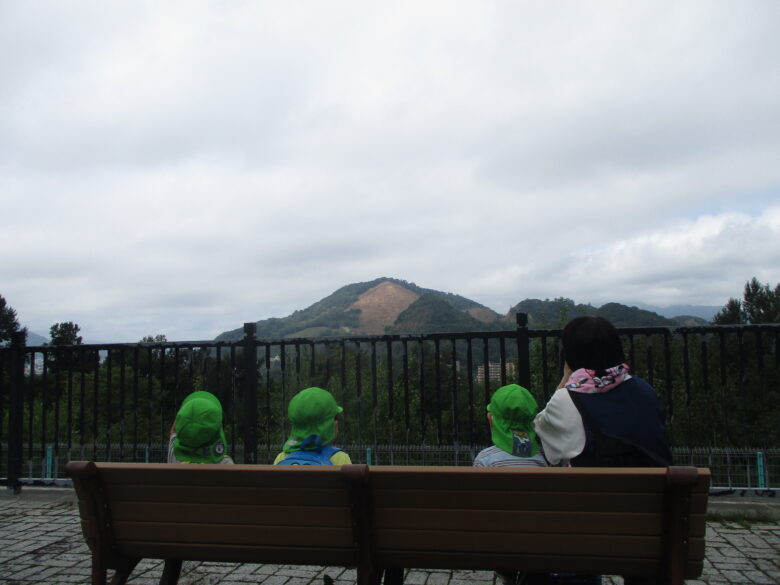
x=732 y=469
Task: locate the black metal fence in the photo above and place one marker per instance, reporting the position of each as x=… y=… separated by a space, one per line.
x=406 y=398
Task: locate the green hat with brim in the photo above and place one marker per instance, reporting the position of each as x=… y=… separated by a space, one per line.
x=513 y=409
x=311 y=412
x=199 y=434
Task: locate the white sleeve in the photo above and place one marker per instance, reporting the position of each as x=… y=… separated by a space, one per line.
x=171 y=456
x=559 y=427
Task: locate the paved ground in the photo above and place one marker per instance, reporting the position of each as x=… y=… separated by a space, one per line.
x=41 y=542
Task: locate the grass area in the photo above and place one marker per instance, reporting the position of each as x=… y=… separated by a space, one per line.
x=743 y=518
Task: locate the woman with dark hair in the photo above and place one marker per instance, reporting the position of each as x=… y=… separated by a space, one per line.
x=601 y=415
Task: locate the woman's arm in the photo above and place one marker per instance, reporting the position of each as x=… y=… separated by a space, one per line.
x=559 y=427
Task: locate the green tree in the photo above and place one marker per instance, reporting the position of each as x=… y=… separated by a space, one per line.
x=8 y=321
x=65 y=333
x=760 y=304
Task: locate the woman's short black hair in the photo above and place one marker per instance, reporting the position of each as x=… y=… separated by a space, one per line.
x=592 y=343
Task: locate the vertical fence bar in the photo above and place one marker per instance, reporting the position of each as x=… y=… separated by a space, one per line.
x=343 y=370
x=297 y=365
x=70 y=404
x=437 y=387
x=502 y=359
x=57 y=388
x=545 y=366
x=268 y=392
x=44 y=403
x=16 y=411
x=668 y=378
x=407 y=412
x=109 y=392
x=470 y=377
x=649 y=357
x=486 y=368
x=136 y=355
x=705 y=383
x=359 y=390
x=95 y=395
x=149 y=397
x=423 y=394
x=250 y=393
x=82 y=401
x=374 y=399
x=523 y=351
x=454 y=405
x=164 y=395
x=390 y=434
x=122 y=396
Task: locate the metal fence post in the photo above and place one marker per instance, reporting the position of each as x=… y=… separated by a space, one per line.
x=523 y=351
x=250 y=393
x=16 y=412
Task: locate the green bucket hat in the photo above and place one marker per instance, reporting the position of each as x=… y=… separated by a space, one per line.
x=513 y=409
x=311 y=412
x=199 y=434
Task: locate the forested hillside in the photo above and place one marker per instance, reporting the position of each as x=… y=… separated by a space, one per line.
x=389 y=305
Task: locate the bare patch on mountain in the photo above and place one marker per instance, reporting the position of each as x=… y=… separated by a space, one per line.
x=482 y=314
x=380 y=306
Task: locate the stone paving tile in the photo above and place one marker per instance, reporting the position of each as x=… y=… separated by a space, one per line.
x=41 y=543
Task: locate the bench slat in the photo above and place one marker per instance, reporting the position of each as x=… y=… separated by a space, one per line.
x=325 y=497
x=533 y=479
x=530 y=522
x=235 y=553
x=487 y=543
x=234 y=534
x=231 y=513
x=219 y=475
x=509 y=500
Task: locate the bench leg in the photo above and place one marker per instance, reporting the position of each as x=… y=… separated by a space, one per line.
x=122 y=575
x=171 y=572
x=99 y=570
x=394 y=576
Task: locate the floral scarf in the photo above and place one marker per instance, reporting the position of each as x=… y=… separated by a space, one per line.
x=587 y=382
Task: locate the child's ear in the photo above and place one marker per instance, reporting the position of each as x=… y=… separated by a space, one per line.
x=490 y=419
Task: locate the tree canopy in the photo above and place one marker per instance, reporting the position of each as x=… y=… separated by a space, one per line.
x=65 y=333
x=9 y=323
x=760 y=303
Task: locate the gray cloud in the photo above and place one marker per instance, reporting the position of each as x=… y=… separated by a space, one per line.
x=183 y=168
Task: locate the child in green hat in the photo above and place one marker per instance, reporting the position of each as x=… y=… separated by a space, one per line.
x=312 y=413
x=511 y=415
x=197 y=435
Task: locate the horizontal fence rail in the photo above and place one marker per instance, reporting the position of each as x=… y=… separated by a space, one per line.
x=407 y=399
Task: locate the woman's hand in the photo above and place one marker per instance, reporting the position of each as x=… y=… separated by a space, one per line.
x=566 y=375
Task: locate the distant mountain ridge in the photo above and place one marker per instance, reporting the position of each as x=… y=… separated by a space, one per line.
x=706 y=312
x=389 y=305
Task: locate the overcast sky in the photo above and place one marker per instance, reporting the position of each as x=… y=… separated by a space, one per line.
x=181 y=168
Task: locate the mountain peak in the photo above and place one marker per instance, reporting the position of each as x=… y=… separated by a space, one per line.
x=380 y=306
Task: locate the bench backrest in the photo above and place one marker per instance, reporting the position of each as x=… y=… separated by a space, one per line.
x=216 y=512
x=554 y=519
x=620 y=521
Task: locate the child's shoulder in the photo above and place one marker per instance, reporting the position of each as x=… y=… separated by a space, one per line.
x=340 y=458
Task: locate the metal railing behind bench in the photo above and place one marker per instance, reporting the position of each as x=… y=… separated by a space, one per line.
x=719 y=387
x=732 y=469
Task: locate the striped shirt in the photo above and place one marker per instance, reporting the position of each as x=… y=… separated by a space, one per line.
x=495 y=457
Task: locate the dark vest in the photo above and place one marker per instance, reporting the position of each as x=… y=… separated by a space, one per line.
x=623 y=427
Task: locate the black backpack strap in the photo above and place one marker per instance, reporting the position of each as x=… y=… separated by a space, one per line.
x=612 y=450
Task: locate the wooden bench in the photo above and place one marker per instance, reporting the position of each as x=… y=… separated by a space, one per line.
x=638 y=521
